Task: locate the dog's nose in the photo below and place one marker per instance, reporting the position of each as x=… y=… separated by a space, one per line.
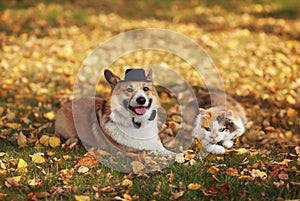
x=141 y=100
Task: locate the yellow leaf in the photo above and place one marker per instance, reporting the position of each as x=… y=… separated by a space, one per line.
x=3 y=172
x=44 y=140
x=13 y=125
x=290 y=100
x=241 y=151
x=127 y=197
x=194 y=186
x=66 y=175
x=22 y=140
x=54 y=142
x=291 y=112
x=22 y=165
x=285 y=162
x=127 y=183
x=288 y=134
x=81 y=198
x=35 y=182
x=189 y=154
x=213 y=170
x=197 y=143
x=50 y=115
x=38 y=159
x=258 y=174
x=16 y=179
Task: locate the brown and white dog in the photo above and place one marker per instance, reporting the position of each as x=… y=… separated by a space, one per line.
x=128 y=118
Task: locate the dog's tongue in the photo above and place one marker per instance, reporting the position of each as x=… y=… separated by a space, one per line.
x=140 y=110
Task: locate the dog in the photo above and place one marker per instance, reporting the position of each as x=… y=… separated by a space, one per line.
x=127 y=119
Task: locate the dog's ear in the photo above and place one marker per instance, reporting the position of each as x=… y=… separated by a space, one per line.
x=111 y=78
x=149 y=75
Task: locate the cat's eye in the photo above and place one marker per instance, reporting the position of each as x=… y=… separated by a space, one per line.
x=207 y=128
x=222 y=129
x=146 y=89
x=129 y=89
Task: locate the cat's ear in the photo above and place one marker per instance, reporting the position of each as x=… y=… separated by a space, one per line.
x=229 y=114
x=203 y=113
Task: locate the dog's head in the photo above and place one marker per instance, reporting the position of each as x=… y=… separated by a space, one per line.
x=135 y=97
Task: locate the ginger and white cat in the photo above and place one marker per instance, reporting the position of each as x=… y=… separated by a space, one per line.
x=216 y=127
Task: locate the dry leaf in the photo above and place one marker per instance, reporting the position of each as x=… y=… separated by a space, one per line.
x=54 y=142
x=241 y=151
x=22 y=140
x=212 y=190
x=213 y=170
x=38 y=159
x=225 y=188
x=194 y=186
x=2 y=196
x=88 y=160
x=137 y=167
x=179 y=158
x=232 y=172
x=83 y=169
x=127 y=183
x=13 y=125
x=13 y=181
x=50 y=115
x=44 y=140
x=189 y=154
x=285 y=162
x=82 y=198
x=258 y=174
x=283 y=176
x=176 y=195
x=66 y=175
x=22 y=166
x=35 y=182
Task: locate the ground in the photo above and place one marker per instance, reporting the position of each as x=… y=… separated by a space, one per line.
x=254 y=45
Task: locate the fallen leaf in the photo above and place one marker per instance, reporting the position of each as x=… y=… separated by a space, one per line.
x=50 y=115
x=213 y=170
x=189 y=154
x=291 y=112
x=285 y=162
x=13 y=181
x=2 y=196
x=22 y=166
x=22 y=140
x=82 y=198
x=232 y=172
x=179 y=158
x=278 y=184
x=38 y=159
x=127 y=183
x=54 y=142
x=283 y=176
x=256 y=173
x=176 y=195
x=38 y=195
x=88 y=160
x=126 y=196
x=225 y=188
x=65 y=175
x=137 y=167
x=194 y=186
x=35 y=182
x=241 y=151
x=210 y=191
x=44 y=140
x=13 y=125
x=83 y=169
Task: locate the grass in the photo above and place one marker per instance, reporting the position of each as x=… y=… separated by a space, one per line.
x=44 y=44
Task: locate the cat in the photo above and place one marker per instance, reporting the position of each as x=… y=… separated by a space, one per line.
x=216 y=127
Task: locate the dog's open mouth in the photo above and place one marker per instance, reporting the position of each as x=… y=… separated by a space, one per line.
x=140 y=110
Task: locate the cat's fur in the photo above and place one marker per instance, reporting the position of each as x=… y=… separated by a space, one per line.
x=216 y=127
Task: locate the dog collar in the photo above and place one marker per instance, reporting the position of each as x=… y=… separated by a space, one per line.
x=151 y=118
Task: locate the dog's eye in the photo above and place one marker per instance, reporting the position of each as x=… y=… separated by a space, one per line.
x=207 y=128
x=129 y=89
x=146 y=89
x=222 y=129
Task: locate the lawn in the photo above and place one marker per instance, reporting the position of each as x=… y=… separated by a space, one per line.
x=255 y=47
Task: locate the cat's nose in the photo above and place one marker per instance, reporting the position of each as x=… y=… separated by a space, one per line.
x=214 y=135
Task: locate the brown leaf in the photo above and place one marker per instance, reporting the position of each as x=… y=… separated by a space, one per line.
x=176 y=195
x=66 y=175
x=232 y=172
x=225 y=188
x=88 y=160
x=283 y=176
x=137 y=167
x=210 y=191
x=22 y=140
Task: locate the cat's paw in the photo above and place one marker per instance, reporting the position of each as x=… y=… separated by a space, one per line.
x=228 y=143
x=215 y=149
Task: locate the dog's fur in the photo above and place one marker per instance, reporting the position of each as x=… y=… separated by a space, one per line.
x=127 y=118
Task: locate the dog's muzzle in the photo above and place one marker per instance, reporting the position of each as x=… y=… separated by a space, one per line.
x=140 y=110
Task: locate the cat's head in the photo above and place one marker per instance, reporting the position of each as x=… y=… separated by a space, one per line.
x=215 y=124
